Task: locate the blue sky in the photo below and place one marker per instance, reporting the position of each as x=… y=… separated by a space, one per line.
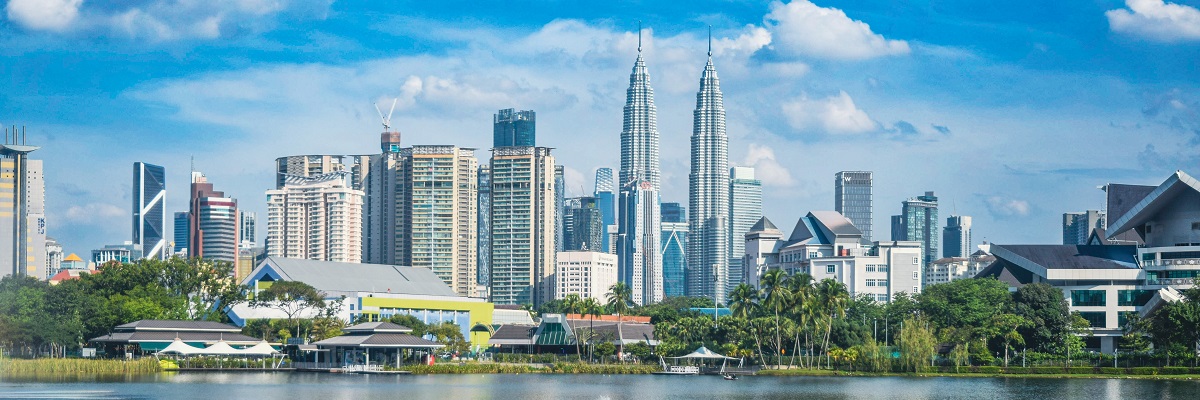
x=1013 y=112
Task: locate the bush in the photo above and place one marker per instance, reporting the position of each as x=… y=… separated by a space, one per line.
x=1143 y=371
x=1174 y=371
x=987 y=370
x=1047 y=370
x=1113 y=371
x=1081 y=370
x=1016 y=370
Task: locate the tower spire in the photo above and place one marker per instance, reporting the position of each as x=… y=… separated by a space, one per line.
x=639 y=36
x=710 y=40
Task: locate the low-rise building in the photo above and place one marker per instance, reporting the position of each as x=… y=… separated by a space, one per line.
x=585 y=273
x=948 y=269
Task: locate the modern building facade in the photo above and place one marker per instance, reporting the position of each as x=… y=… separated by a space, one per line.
x=181 y=229
x=954 y=268
x=247 y=224
x=918 y=222
x=560 y=208
x=588 y=274
x=22 y=217
x=638 y=246
x=213 y=222
x=674 y=239
x=639 y=130
x=483 y=268
x=122 y=253
x=708 y=192
x=956 y=237
x=745 y=209
x=315 y=218
x=438 y=213
x=522 y=225
x=587 y=225
x=306 y=166
x=606 y=201
x=54 y=256
x=149 y=218
x=514 y=128
x=1077 y=226
x=852 y=196
x=381 y=202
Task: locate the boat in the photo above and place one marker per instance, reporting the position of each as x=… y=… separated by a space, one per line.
x=730 y=377
x=701 y=355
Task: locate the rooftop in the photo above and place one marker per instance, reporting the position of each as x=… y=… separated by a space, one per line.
x=336 y=277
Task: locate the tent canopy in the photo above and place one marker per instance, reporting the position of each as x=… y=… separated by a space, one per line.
x=260 y=349
x=179 y=347
x=705 y=353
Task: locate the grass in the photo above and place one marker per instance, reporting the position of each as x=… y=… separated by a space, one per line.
x=556 y=368
x=76 y=366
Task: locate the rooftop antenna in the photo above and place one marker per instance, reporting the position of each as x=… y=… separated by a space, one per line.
x=710 y=40
x=639 y=36
x=387 y=121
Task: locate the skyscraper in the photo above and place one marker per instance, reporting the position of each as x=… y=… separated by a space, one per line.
x=181 y=232
x=149 y=220
x=1078 y=226
x=213 y=222
x=438 y=216
x=918 y=222
x=708 y=192
x=587 y=228
x=522 y=225
x=639 y=129
x=606 y=201
x=957 y=237
x=22 y=215
x=639 y=261
x=315 y=218
x=745 y=209
x=852 y=198
x=674 y=212
x=674 y=257
x=247 y=223
x=483 y=268
x=514 y=128
x=317 y=165
x=380 y=220
x=560 y=208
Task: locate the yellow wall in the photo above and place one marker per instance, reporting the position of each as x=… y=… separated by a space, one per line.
x=481 y=312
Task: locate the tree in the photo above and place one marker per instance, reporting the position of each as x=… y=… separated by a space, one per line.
x=917 y=344
x=572 y=304
x=1047 y=312
x=832 y=297
x=290 y=297
x=592 y=309
x=1006 y=326
x=619 y=296
x=743 y=301
x=964 y=302
x=776 y=297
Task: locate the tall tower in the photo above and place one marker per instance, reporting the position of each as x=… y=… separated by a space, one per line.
x=852 y=198
x=379 y=237
x=22 y=217
x=514 y=128
x=149 y=219
x=315 y=218
x=639 y=130
x=522 y=225
x=438 y=217
x=957 y=237
x=745 y=209
x=606 y=201
x=918 y=222
x=213 y=222
x=708 y=191
x=483 y=268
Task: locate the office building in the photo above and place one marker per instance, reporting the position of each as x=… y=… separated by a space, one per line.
x=514 y=128
x=638 y=245
x=606 y=202
x=918 y=222
x=853 y=198
x=956 y=237
x=1077 y=226
x=247 y=223
x=483 y=267
x=745 y=209
x=587 y=227
x=54 y=256
x=212 y=222
x=380 y=205
x=149 y=218
x=639 y=130
x=22 y=217
x=708 y=193
x=560 y=208
x=674 y=257
x=438 y=213
x=522 y=225
x=674 y=212
x=121 y=253
x=954 y=268
x=588 y=274
x=315 y=218
x=180 y=245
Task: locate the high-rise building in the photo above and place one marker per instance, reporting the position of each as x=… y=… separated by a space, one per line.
x=22 y=214
x=149 y=219
x=247 y=223
x=639 y=131
x=380 y=218
x=315 y=218
x=745 y=209
x=306 y=166
x=957 y=237
x=483 y=268
x=1077 y=226
x=587 y=228
x=606 y=202
x=514 y=128
x=852 y=198
x=438 y=213
x=588 y=274
x=674 y=212
x=54 y=256
x=212 y=222
x=708 y=192
x=522 y=225
x=560 y=208
x=674 y=257
x=639 y=256
x=181 y=233
x=918 y=222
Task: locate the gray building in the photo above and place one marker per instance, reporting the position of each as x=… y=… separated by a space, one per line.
x=149 y=218
x=918 y=222
x=674 y=212
x=957 y=237
x=514 y=128
x=745 y=209
x=708 y=192
x=522 y=225
x=587 y=226
x=1077 y=226
x=484 y=266
x=606 y=201
x=852 y=197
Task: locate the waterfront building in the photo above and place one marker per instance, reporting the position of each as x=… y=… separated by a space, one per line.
x=956 y=237
x=745 y=209
x=1077 y=226
x=483 y=269
x=22 y=218
x=122 y=253
x=212 y=222
x=674 y=257
x=148 y=336
x=149 y=219
x=522 y=225
x=389 y=343
x=606 y=202
x=708 y=192
x=316 y=218
x=512 y=128
x=638 y=245
x=585 y=273
x=918 y=222
x=54 y=256
x=586 y=225
x=181 y=228
x=852 y=196
x=826 y=245
x=438 y=213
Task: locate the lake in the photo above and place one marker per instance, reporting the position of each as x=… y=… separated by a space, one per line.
x=304 y=386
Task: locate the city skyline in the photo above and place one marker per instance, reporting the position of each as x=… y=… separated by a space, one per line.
x=1119 y=94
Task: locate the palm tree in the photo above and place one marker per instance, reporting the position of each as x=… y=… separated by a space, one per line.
x=572 y=304
x=619 y=296
x=775 y=297
x=743 y=301
x=593 y=309
x=801 y=286
x=833 y=296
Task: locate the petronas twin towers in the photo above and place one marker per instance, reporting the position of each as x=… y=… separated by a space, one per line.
x=639 y=248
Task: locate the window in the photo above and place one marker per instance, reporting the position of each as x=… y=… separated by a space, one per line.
x=915 y=275
x=1087 y=298
x=916 y=290
x=1095 y=319
x=1136 y=298
x=916 y=260
x=1123 y=317
x=831 y=269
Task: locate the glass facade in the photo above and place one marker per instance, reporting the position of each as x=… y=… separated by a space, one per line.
x=1088 y=298
x=852 y=198
x=149 y=218
x=605 y=194
x=674 y=243
x=514 y=128
x=1136 y=298
x=1096 y=319
x=918 y=222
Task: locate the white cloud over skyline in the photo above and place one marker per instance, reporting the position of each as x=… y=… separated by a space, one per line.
x=1156 y=20
x=159 y=20
x=803 y=29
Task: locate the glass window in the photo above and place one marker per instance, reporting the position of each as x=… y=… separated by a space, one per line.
x=1136 y=298
x=1095 y=318
x=916 y=260
x=830 y=269
x=1087 y=298
x=915 y=275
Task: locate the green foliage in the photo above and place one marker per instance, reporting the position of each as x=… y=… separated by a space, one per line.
x=964 y=302
x=73 y=366
x=1143 y=371
x=1174 y=370
x=1048 y=314
x=917 y=344
x=605 y=349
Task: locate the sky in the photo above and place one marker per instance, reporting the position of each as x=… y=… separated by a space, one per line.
x=1012 y=112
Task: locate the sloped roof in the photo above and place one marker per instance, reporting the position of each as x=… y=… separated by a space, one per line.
x=378 y=327
x=1137 y=215
x=378 y=340
x=332 y=277
x=836 y=222
x=806 y=232
x=166 y=336
x=1120 y=198
x=175 y=325
x=73 y=257
x=763 y=224
x=1071 y=256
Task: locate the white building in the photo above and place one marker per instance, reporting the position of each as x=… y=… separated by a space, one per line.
x=315 y=218
x=638 y=248
x=437 y=213
x=826 y=245
x=745 y=209
x=522 y=225
x=948 y=269
x=585 y=273
x=54 y=257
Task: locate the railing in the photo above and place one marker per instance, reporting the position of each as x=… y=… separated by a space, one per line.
x=314 y=365
x=361 y=368
x=683 y=369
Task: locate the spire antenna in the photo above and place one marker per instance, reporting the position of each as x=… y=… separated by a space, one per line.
x=710 y=40
x=639 y=36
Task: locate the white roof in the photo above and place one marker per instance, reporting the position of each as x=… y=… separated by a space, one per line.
x=179 y=347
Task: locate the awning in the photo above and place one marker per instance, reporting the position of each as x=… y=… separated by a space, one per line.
x=705 y=353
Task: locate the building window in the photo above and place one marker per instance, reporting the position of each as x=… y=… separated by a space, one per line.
x=1087 y=298
x=1135 y=298
x=1123 y=317
x=916 y=260
x=1096 y=319
x=915 y=275
x=916 y=290
x=830 y=269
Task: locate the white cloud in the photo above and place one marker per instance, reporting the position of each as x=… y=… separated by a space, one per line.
x=834 y=115
x=803 y=29
x=1002 y=207
x=766 y=168
x=1156 y=20
x=93 y=213
x=48 y=15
